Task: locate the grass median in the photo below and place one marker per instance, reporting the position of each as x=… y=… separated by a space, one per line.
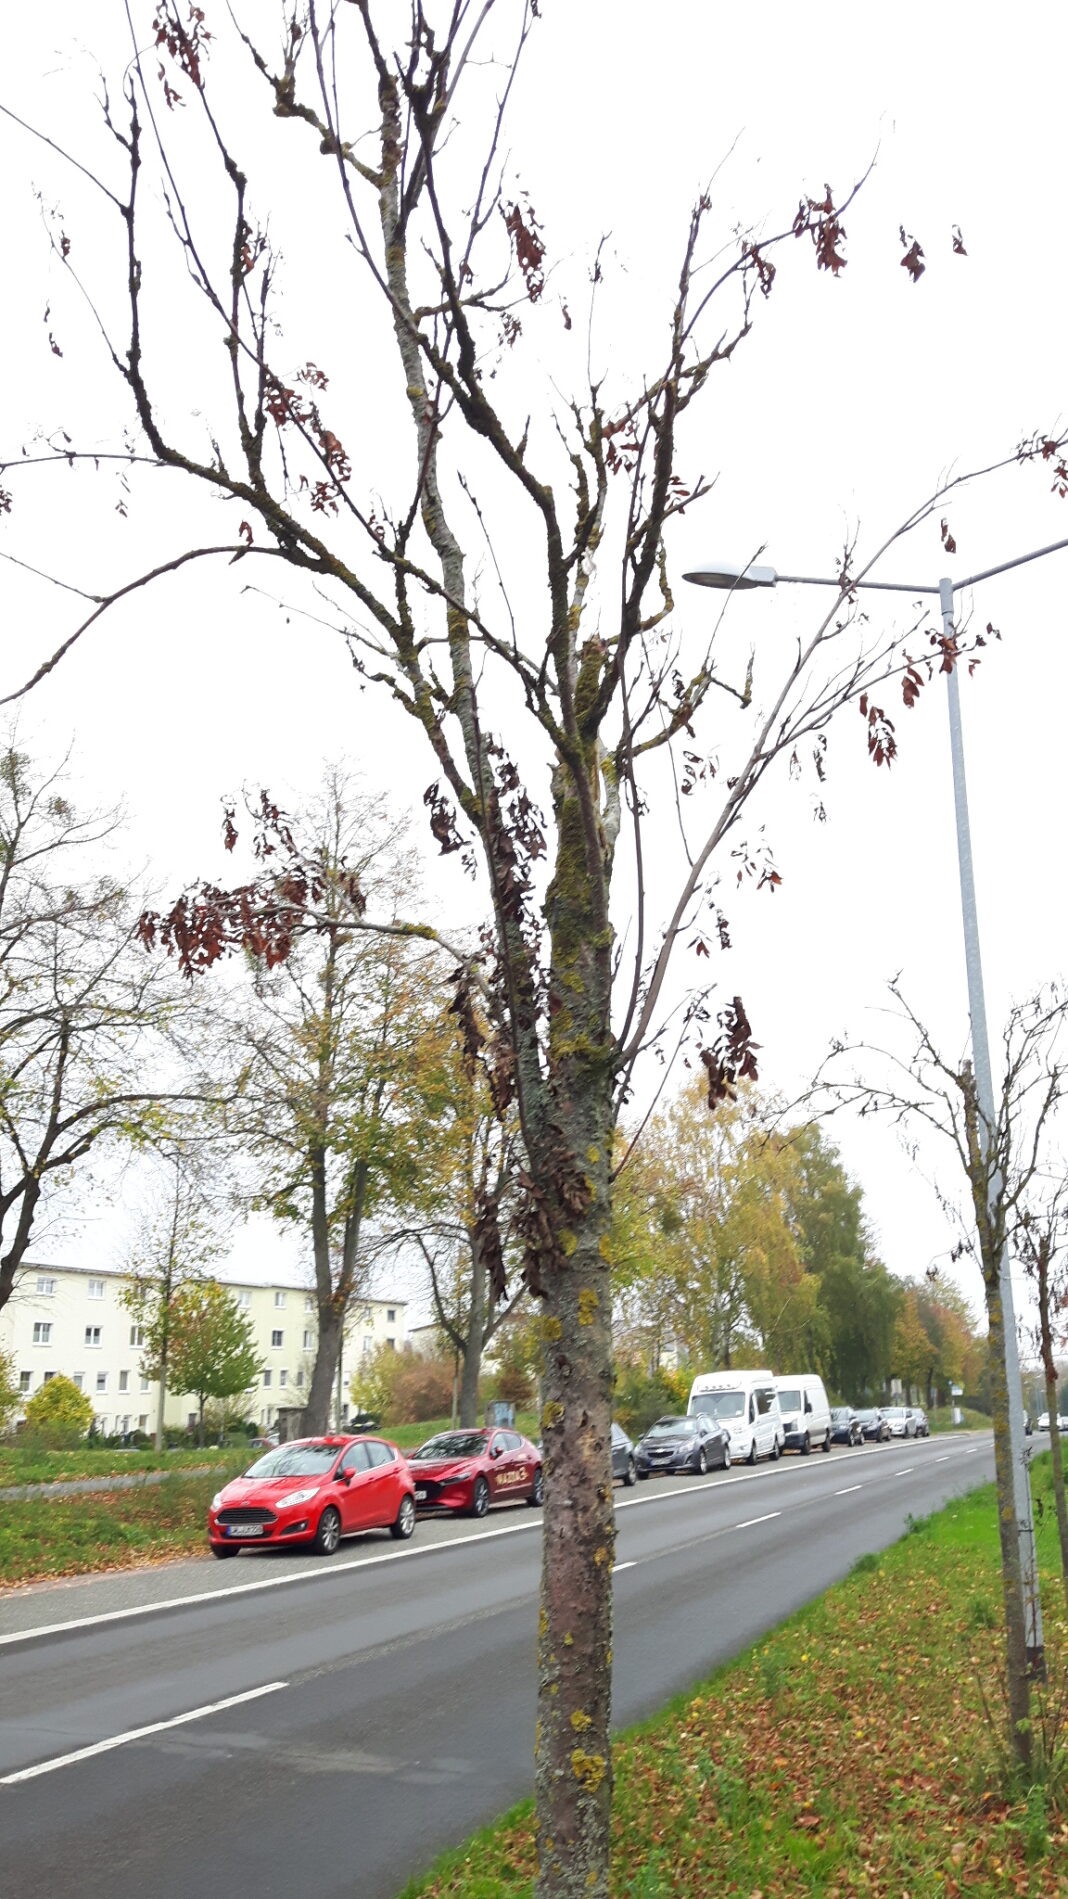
x=51 y=1537
x=852 y=1754
x=33 y=1466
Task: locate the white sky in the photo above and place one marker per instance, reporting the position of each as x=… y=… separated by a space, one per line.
x=841 y=412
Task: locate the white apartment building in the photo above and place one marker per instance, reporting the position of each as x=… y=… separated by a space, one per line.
x=71 y=1319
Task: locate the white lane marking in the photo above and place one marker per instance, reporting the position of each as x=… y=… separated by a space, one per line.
x=942 y=1460
x=972 y=1452
x=138 y=1734
x=749 y=1522
x=371 y=1562
x=907 y=1472
x=848 y=1491
x=616 y=1567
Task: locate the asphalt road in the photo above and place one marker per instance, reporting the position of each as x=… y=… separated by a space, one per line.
x=284 y=1725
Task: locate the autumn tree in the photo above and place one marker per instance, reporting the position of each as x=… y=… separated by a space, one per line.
x=212 y=1345
x=911 y=1346
x=333 y=1034
x=59 y=1414
x=858 y=1299
x=1000 y=1163
x=10 y=1396
x=180 y=1234
x=499 y=563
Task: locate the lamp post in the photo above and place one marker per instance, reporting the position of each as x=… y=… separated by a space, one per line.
x=725 y=577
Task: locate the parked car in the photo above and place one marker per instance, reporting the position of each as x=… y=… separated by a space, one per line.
x=901 y=1420
x=874 y=1425
x=923 y=1428
x=623 y=1460
x=315 y=1491
x=1043 y=1422
x=846 y=1427
x=695 y=1443
x=806 y=1413
x=746 y=1403
x=466 y=1471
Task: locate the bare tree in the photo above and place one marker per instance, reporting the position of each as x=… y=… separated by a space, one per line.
x=510 y=594
x=1002 y=1166
x=1042 y=1239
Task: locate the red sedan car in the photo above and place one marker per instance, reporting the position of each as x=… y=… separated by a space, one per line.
x=466 y=1471
x=315 y=1490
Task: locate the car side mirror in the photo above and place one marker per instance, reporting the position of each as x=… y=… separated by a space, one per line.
x=496 y=1451
x=344 y=1477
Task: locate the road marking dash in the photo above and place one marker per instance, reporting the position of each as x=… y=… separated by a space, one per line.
x=848 y=1490
x=139 y=1734
x=616 y=1567
x=749 y=1522
x=942 y=1460
x=907 y=1472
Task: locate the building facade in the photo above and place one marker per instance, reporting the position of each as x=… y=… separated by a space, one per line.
x=71 y=1319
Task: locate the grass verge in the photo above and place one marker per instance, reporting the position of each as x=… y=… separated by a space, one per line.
x=18 y=1466
x=49 y=1537
x=847 y=1754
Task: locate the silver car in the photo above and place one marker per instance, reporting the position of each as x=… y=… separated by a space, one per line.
x=901 y=1419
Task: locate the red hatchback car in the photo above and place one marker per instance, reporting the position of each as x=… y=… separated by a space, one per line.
x=466 y=1471
x=315 y=1490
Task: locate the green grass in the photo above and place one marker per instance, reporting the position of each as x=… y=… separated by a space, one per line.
x=847 y=1754
x=31 y=1466
x=941 y=1419
x=120 y=1529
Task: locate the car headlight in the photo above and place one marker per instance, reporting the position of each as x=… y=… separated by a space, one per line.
x=298 y=1496
x=216 y=1502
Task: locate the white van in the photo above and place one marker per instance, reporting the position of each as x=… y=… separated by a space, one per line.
x=806 y=1414
x=747 y=1405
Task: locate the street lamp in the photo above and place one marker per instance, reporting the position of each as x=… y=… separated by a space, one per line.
x=729 y=578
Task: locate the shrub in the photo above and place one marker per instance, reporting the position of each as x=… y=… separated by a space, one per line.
x=641 y=1398
x=59 y=1415
x=422 y=1389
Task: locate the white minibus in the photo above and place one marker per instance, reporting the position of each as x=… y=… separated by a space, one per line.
x=747 y=1405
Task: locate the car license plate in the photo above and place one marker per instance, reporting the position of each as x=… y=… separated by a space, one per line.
x=420 y=1496
x=245 y=1529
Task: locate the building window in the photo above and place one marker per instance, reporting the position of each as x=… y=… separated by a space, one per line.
x=48 y=1377
x=25 y=1381
x=308 y=1341
x=276 y=1339
x=101 y=1381
x=137 y=1335
x=300 y=1380
x=283 y=1378
x=244 y=1300
x=42 y=1331
x=266 y=1379
x=92 y=1335
x=96 y=1289
x=279 y=1299
x=392 y=1343
x=124 y=1381
x=79 y=1379
x=368 y=1347
x=142 y=1422
x=391 y=1315
x=144 y=1383
x=122 y=1424
x=368 y=1316
x=46 y=1288
x=309 y=1302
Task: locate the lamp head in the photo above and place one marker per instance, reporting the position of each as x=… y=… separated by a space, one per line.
x=728 y=577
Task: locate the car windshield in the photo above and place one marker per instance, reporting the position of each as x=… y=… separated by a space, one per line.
x=867 y=1417
x=894 y=1411
x=720 y=1404
x=295 y=1460
x=673 y=1427
x=451 y=1444
x=790 y=1401
x=842 y=1412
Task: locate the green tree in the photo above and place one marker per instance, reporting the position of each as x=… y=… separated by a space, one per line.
x=911 y=1348
x=858 y=1299
x=212 y=1345
x=10 y=1396
x=59 y=1414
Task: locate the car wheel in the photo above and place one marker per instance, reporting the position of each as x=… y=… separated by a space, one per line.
x=643 y=1476
x=776 y=1451
x=806 y=1445
x=630 y=1475
x=537 y=1490
x=702 y=1462
x=404 y=1522
x=751 y=1459
x=726 y=1455
x=480 y=1498
x=328 y=1535
x=826 y=1445
x=222 y=1550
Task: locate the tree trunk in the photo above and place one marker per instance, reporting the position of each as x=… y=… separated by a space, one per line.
x=162 y=1400
x=1052 y=1406
x=476 y=1331
x=324 y=1373
x=1018 y=1676
x=200 y=1423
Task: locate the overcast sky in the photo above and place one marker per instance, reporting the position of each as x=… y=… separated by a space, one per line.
x=843 y=410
